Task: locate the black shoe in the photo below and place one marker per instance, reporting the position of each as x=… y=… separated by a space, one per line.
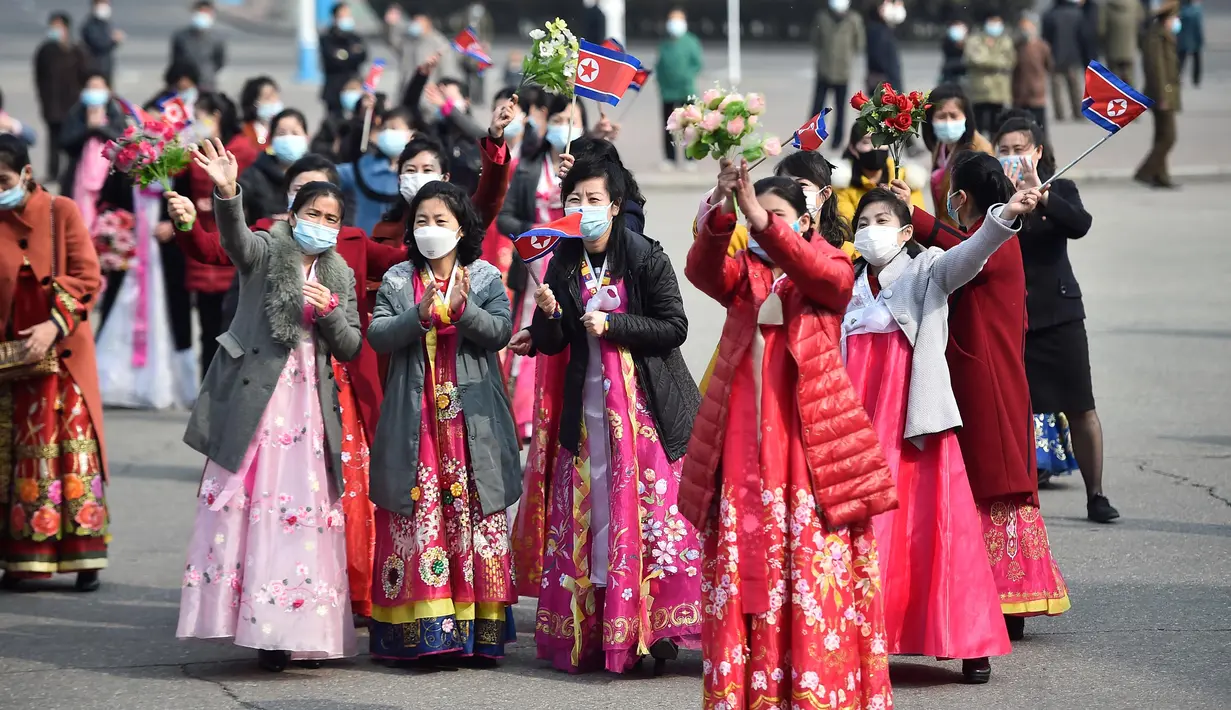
x=976 y=671
x=309 y=663
x=1044 y=478
x=10 y=582
x=87 y=581
x=273 y=661
x=1016 y=626
x=1099 y=509
x=1164 y=184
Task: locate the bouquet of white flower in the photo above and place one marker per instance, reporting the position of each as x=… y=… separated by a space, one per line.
x=552 y=60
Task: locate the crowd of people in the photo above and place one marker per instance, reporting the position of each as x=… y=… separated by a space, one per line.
x=855 y=477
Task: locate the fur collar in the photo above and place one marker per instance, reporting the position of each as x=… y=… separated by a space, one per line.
x=284 y=296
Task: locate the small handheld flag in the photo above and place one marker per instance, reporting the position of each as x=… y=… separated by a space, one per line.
x=614 y=45
x=812 y=134
x=604 y=74
x=372 y=80
x=536 y=243
x=133 y=111
x=467 y=43
x=639 y=79
x=1110 y=103
x=174 y=112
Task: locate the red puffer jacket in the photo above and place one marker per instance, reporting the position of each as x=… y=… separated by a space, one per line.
x=850 y=478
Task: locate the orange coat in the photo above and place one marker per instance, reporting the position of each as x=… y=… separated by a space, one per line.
x=23 y=235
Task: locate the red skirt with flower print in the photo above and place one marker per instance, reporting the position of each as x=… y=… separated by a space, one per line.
x=358 y=509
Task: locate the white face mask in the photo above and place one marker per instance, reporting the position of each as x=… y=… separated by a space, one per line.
x=102 y=12
x=878 y=243
x=409 y=184
x=436 y=242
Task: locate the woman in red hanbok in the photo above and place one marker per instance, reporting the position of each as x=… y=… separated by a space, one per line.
x=793 y=612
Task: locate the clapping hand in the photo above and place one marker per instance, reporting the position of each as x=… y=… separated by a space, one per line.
x=461 y=291
x=1022 y=203
x=502 y=117
x=219 y=164
x=430 y=296
x=317 y=295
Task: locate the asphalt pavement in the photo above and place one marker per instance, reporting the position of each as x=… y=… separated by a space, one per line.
x=1150 y=625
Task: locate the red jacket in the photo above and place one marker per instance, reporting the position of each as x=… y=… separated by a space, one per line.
x=367 y=259
x=987 y=364
x=200 y=277
x=850 y=478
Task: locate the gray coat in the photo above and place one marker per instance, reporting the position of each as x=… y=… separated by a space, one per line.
x=836 y=38
x=916 y=288
x=485 y=328
x=267 y=326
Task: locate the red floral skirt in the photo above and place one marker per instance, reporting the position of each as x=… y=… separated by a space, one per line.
x=1027 y=578
x=51 y=480
x=358 y=509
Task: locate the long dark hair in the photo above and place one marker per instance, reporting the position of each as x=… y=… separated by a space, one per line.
x=1015 y=123
x=614 y=175
x=981 y=177
x=250 y=93
x=228 y=116
x=470 y=247
x=419 y=143
x=901 y=210
x=943 y=94
x=602 y=148
x=285 y=114
x=816 y=169
x=313 y=190
x=858 y=131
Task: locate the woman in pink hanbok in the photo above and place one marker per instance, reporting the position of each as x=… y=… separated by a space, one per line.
x=940 y=598
x=267 y=561
x=621 y=575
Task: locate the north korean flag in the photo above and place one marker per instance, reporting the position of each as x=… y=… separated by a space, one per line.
x=1110 y=103
x=174 y=113
x=639 y=79
x=812 y=134
x=604 y=74
x=614 y=45
x=372 y=80
x=467 y=42
x=534 y=244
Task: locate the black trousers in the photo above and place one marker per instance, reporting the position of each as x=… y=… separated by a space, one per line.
x=1196 y=65
x=209 y=315
x=179 y=302
x=987 y=118
x=53 y=152
x=837 y=124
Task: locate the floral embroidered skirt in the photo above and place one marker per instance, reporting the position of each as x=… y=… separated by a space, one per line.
x=1052 y=446
x=267 y=560
x=358 y=509
x=1027 y=577
x=444 y=583
x=51 y=482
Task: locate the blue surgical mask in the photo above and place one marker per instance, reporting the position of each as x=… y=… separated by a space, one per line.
x=594 y=220
x=189 y=95
x=994 y=29
x=756 y=249
x=346 y=24
x=314 y=238
x=11 y=198
x=350 y=99
x=949 y=132
x=1176 y=25
x=414 y=29
x=289 y=147
x=202 y=20
x=55 y=35
x=392 y=142
x=558 y=135
x=677 y=27
x=95 y=97
x=268 y=110
x=957 y=33
x=534 y=123
x=953 y=211
x=515 y=129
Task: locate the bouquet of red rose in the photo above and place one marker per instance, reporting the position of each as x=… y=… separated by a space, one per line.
x=891 y=118
x=114 y=239
x=149 y=153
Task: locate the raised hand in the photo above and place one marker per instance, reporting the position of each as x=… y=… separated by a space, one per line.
x=434 y=95
x=1023 y=202
x=502 y=117
x=728 y=181
x=430 y=297
x=566 y=164
x=219 y=164
x=746 y=198
x=461 y=291
x=545 y=299
x=429 y=65
x=900 y=190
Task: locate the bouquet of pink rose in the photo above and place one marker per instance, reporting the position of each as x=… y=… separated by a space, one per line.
x=149 y=153
x=722 y=125
x=114 y=239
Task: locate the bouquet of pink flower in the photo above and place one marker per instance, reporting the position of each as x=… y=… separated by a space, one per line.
x=722 y=125
x=149 y=153
x=114 y=239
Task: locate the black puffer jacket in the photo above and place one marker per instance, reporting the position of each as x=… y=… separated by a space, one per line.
x=262 y=188
x=653 y=329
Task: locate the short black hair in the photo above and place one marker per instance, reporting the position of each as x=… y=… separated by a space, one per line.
x=421 y=143
x=982 y=177
x=398 y=112
x=181 y=70
x=462 y=86
x=1017 y=123
x=505 y=94
x=786 y=188
x=313 y=190
x=14 y=153
x=338 y=7
x=615 y=176
x=61 y=17
x=604 y=149
x=881 y=195
x=814 y=168
x=220 y=103
x=250 y=93
x=943 y=94
x=285 y=114
x=203 y=5
x=470 y=246
x=312 y=162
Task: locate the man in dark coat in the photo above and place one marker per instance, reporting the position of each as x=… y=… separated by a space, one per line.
x=1064 y=29
x=101 y=39
x=60 y=69
x=343 y=52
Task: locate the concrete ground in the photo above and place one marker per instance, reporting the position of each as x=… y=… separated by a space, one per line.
x=1151 y=619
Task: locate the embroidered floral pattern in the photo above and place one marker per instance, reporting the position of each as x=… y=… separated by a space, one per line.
x=448 y=401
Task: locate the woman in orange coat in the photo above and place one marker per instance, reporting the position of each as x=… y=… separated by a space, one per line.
x=784 y=453
x=54 y=517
